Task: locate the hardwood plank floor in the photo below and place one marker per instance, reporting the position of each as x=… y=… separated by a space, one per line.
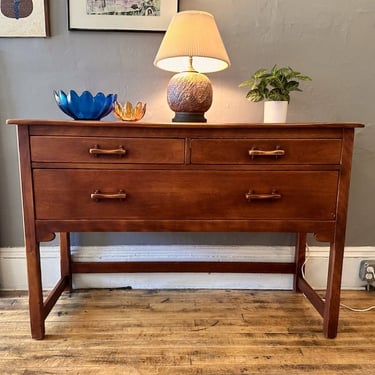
x=186 y=332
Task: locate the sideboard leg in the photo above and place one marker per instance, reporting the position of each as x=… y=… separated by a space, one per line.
x=332 y=301
x=65 y=259
x=36 y=306
x=300 y=255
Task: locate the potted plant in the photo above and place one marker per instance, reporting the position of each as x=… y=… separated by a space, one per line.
x=274 y=86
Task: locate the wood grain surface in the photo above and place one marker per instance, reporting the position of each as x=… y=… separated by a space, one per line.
x=181 y=332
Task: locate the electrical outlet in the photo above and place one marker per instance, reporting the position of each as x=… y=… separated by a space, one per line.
x=367 y=270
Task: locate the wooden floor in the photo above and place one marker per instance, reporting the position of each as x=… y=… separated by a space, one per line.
x=210 y=332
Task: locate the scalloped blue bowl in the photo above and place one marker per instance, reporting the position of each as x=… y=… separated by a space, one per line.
x=85 y=106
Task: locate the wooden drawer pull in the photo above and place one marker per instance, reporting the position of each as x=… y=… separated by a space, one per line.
x=276 y=152
x=97 y=151
x=251 y=196
x=98 y=196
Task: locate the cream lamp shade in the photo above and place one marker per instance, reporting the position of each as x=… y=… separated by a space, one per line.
x=191 y=46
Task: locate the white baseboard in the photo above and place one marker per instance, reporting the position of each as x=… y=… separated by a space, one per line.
x=13 y=267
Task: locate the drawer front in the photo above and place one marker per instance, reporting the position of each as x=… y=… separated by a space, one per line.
x=183 y=195
x=265 y=151
x=107 y=150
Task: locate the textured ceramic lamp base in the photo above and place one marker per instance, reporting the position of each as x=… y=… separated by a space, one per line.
x=189 y=96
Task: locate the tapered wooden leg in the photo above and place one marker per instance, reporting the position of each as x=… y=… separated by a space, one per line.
x=36 y=306
x=336 y=255
x=332 y=302
x=65 y=259
x=300 y=256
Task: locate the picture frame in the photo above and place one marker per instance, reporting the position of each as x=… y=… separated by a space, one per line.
x=121 y=15
x=24 y=18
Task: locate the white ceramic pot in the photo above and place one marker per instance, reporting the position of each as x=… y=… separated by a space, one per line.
x=275 y=111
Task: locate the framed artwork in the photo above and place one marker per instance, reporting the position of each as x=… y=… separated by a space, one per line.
x=133 y=15
x=23 y=18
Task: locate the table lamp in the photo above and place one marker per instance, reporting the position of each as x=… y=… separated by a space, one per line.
x=191 y=46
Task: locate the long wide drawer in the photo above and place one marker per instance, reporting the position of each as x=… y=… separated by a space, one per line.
x=157 y=195
x=266 y=151
x=107 y=150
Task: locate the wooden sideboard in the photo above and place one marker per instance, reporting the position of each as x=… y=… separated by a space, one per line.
x=86 y=176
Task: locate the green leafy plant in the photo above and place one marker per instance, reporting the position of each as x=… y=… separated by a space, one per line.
x=276 y=84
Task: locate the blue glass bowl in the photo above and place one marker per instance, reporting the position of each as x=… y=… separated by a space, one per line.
x=85 y=106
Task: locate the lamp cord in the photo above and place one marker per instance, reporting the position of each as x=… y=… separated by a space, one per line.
x=366 y=309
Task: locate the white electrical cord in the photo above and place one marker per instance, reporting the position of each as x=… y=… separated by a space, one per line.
x=341 y=304
x=357 y=310
x=304 y=263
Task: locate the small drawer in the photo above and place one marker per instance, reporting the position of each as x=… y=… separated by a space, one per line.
x=265 y=151
x=107 y=150
x=184 y=195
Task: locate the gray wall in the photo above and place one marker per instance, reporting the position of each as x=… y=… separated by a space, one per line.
x=332 y=41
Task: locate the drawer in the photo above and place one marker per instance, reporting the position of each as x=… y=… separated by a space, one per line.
x=107 y=150
x=184 y=195
x=265 y=151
